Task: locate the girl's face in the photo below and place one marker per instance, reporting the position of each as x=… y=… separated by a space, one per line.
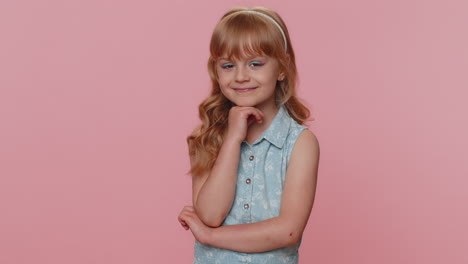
x=249 y=81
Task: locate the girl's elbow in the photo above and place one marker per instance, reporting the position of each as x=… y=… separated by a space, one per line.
x=291 y=231
x=212 y=221
x=214 y=224
x=292 y=238
x=208 y=218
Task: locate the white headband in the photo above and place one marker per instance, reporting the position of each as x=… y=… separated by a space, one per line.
x=272 y=20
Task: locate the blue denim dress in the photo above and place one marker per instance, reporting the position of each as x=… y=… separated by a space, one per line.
x=261 y=177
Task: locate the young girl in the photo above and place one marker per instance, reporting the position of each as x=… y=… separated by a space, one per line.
x=253 y=165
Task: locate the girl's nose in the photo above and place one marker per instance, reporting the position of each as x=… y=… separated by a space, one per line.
x=242 y=75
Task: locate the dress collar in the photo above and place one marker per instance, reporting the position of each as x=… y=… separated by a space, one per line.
x=278 y=130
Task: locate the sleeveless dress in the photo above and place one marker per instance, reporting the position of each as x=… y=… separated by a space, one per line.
x=261 y=177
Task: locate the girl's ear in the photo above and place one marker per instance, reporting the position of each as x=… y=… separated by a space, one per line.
x=281 y=76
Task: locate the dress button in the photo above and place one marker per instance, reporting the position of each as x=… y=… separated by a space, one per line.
x=251 y=157
x=246 y=206
x=248 y=181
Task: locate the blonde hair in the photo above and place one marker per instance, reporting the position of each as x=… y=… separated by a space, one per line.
x=238 y=34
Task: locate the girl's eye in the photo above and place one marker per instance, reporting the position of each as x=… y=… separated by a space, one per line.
x=227 y=65
x=256 y=64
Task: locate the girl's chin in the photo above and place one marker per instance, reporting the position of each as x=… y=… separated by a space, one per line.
x=243 y=104
x=250 y=104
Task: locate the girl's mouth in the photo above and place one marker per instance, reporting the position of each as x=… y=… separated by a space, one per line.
x=243 y=90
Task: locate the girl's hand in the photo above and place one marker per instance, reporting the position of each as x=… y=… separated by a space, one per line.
x=240 y=118
x=188 y=218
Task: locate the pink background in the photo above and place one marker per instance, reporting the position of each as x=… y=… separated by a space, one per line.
x=97 y=98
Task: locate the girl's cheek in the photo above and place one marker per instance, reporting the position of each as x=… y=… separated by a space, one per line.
x=223 y=78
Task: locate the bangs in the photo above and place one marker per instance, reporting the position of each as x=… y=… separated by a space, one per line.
x=244 y=35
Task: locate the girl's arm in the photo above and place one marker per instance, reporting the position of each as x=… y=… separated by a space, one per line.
x=286 y=229
x=213 y=193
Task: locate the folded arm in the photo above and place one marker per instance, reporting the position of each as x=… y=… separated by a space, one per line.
x=296 y=204
x=213 y=193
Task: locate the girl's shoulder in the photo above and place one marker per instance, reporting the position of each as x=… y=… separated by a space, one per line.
x=301 y=134
x=296 y=129
x=308 y=137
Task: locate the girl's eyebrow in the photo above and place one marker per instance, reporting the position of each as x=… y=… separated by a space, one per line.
x=245 y=58
x=256 y=57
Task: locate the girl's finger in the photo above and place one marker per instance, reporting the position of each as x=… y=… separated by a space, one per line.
x=255 y=113
x=185 y=226
x=182 y=216
x=259 y=115
x=190 y=208
x=251 y=119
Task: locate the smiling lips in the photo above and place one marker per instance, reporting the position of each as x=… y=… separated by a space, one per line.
x=243 y=90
